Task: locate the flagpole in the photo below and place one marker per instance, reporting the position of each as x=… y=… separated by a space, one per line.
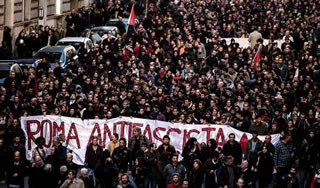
x=256 y=53
x=146 y=13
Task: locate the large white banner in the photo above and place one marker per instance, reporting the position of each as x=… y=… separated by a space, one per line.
x=79 y=132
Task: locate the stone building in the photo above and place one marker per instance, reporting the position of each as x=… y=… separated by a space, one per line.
x=19 y=14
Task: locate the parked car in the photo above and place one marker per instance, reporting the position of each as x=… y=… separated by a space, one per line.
x=113 y=22
x=76 y=42
x=52 y=53
x=97 y=33
x=8 y=66
x=105 y=30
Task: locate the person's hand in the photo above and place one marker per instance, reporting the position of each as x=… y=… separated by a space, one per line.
x=211 y=171
x=15 y=175
x=68 y=181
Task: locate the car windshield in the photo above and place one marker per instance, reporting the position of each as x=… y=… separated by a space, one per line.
x=51 y=56
x=112 y=23
x=76 y=45
x=4 y=70
x=101 y=33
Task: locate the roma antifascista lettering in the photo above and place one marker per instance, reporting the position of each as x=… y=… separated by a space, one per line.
x=48 y=128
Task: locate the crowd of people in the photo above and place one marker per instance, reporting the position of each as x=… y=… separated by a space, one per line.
x=174 y=66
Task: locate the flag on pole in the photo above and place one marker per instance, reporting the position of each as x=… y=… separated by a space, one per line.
x=257 y=57
x=296 y=74
x=132 y=18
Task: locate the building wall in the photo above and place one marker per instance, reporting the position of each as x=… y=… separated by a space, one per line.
x=20 y=14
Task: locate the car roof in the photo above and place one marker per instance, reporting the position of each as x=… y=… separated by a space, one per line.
x=103 y=28
x=73 y=39
x=116 y=19
x=55 y=48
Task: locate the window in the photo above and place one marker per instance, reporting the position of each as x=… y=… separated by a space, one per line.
x=2 y=13
x=34 y=9
x=66 y=6
x=51 y=56
x=18 y=11
x=51 y=7
x=76 y=45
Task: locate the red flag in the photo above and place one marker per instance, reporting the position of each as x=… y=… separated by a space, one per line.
x=257 y=57
x=132 y=18
x=243 y=142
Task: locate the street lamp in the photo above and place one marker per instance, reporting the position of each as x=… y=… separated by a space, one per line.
x=41 y=13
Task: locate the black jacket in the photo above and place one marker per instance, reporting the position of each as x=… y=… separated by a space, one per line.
x=189 y=156
x=211 y=170
x=165 y=155
x=18 y=168
x=37 y=177
x=121 y=158
x=265 y=166
x=233 y=150
x=92 y=157
x=223 y=175
x=196 y=178
x=106 y=173
x=3 y=162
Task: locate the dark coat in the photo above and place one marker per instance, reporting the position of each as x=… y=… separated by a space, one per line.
x=13 y=168
x=233 y=150
x=106 y=173
x=189 y=156
x=209 y=166
x=37 y=178
x=223 y=175
x=196 y=177
x=121 y=158
x=3 y=162
x=92 y=157
x=166 y=154
x=150 y=160
x=264 y=167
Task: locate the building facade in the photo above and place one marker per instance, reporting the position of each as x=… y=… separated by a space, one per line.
x=19 y=14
